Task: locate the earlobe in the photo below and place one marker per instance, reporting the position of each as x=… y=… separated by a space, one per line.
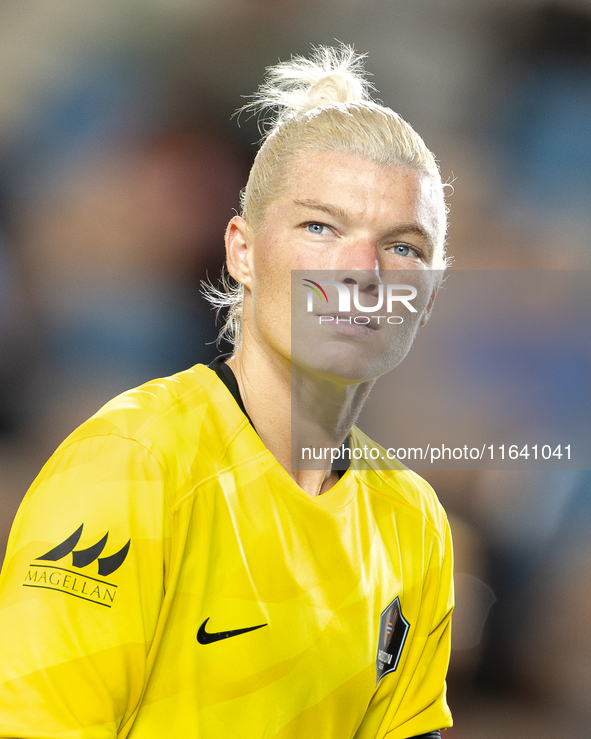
x=237 y=241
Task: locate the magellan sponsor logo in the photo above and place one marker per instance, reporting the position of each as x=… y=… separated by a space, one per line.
x=82 y=585
x=72 y=583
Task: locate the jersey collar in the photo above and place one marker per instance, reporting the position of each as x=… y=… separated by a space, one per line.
x=228 y=377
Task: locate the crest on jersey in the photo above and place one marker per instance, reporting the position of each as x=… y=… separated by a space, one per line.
x=392 y=635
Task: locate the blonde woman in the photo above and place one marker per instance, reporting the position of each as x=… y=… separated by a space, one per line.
x=174 y=571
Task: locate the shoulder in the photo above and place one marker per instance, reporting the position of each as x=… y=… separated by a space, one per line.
x=138 y=412
x=401 y=487
x=181 y=421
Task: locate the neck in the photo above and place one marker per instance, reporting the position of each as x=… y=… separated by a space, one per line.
x=292 y=408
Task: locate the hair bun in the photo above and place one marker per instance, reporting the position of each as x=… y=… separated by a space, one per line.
x=335 y=87
x=331 y=75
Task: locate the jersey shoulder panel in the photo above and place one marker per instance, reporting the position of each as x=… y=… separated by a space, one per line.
x=187 y=422
x=388 y=476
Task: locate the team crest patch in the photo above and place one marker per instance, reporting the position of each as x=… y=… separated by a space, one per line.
x=78 y=582
x=392 y=635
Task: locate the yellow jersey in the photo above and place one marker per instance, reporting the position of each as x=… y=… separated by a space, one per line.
x=166 y=577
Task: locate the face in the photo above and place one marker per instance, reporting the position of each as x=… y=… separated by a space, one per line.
x=344 y=219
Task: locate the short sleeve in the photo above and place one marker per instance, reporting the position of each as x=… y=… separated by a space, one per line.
x=81 y=591
x=417 y=697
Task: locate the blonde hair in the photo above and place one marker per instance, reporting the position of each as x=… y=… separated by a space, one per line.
x=322 y=103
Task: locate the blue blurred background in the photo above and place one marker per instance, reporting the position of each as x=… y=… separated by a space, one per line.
x=120 y=165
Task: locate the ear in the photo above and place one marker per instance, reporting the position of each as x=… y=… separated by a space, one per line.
x=429 y=308
x=237 y=250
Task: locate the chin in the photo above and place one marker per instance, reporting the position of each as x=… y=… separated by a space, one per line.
x=340 y=361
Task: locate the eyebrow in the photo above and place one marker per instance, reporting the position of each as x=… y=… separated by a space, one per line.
x=332 y=210
x=413 y=228
x=401 y=228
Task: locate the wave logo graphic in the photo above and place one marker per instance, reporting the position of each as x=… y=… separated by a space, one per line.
x=83 y=557
x=43 y=575
x=317 y=289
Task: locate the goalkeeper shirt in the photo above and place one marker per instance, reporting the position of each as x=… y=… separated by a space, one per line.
x=166 y=577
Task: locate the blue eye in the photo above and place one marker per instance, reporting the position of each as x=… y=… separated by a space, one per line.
x=402 y=250
x=315 y=228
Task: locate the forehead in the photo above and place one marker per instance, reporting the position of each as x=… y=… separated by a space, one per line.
x=378 y=194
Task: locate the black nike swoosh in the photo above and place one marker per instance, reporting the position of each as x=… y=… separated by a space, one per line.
x=203 y=637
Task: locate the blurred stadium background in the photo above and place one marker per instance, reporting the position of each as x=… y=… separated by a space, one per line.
x=119 y=167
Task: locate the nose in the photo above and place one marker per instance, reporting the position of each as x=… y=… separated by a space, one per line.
x=362 y=268
x=367 y=280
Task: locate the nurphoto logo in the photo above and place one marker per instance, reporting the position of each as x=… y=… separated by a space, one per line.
x=390 y=294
